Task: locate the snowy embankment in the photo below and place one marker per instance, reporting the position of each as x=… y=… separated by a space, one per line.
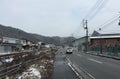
x=31 y=73
x=41 y=68
x=36 y=71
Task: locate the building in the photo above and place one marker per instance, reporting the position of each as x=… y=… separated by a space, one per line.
x=80 y=43
x=105 y=42
x=9 y=45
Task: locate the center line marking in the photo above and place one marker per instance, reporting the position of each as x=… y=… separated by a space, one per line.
x=95 y=60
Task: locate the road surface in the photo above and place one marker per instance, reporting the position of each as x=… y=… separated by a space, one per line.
x=61 y=68
x=96 y=67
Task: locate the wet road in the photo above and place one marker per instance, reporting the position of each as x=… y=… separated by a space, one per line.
x=61 y=68
x=95 y=66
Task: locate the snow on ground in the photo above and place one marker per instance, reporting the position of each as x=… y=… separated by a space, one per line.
x=9 y=60
x=31 y=73
x=51 y=61
x=36 y=70
x=7 y=77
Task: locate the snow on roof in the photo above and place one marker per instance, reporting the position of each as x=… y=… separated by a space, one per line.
x=111 y=28
x=96 y=37
x=100 y=35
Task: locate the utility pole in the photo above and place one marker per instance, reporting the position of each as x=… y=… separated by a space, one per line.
x=85 y=25
x=100 y=43
x=101 y=47
x=119 y=20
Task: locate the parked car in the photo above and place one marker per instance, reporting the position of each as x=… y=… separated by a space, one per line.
x=69 y=50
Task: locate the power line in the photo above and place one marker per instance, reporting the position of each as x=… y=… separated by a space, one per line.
x=108 y=22
x=95 y=5
x=94 y=10
x=97 y=9
x=77 y=30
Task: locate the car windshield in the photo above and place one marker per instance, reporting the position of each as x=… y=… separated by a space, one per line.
x=59 y=39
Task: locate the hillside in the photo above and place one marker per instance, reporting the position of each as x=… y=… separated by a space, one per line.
x=17 y=33
x=55 y=40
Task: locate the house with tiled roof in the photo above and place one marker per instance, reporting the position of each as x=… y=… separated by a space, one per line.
x=105 y=39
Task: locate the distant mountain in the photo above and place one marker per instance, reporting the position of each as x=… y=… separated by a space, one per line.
x=17 y=33
x=55 y=40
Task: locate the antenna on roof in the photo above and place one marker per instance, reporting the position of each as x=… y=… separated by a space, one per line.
x=100 y=29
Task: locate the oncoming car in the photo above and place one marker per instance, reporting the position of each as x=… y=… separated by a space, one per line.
x=69 y=50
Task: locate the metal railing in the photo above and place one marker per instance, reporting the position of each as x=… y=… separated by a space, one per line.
x=110 y=51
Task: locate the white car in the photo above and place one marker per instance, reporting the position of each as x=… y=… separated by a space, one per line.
x=69 y=51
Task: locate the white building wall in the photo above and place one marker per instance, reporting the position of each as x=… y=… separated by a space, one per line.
x=9 y=40
x=14 y=41
x=1 y=49
x=23 y=42
x=79 y=43
x=5 y=49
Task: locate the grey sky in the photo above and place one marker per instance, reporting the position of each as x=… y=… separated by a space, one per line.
x=54 y=17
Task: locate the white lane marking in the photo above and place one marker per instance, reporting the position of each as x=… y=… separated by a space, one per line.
x=73 y=67
x=70 y=65
x=90 y=75
x=74 y=71
x=95 y=60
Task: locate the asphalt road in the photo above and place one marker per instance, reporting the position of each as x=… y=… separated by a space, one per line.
x=96 y=67
x=61 y=68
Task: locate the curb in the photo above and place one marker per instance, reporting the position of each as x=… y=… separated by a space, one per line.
x=107 y=56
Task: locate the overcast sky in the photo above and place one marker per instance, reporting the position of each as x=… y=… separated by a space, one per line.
x=57 y=17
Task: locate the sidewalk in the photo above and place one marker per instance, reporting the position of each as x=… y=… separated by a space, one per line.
x=103 y=55
x=61 y=68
